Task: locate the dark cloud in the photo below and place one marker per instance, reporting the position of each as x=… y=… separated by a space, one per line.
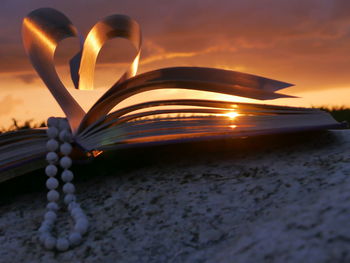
x=27 y=78
x=296 y=39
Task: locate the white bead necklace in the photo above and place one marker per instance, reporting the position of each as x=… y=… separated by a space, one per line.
x=60 y=139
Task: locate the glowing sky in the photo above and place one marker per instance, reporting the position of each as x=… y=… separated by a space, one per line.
x=305 y=42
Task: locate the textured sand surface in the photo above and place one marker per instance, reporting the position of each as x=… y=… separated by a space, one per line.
x=275 y=204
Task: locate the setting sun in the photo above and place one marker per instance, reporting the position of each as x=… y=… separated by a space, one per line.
x=232 y=114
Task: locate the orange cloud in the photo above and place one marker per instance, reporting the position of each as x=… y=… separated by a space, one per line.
x=305 y=42
x=8 y=104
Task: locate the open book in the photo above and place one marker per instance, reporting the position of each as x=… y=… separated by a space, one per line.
x=152 y=122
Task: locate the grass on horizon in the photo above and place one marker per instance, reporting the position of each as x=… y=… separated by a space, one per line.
x=340 y=114
x=16 y=125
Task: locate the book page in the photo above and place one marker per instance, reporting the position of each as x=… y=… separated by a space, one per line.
x=203 y=79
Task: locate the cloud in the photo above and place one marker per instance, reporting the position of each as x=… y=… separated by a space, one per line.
x=303 y=41
x=27 y=78
x=8 y=104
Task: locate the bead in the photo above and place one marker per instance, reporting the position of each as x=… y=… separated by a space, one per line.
x=75 y=238
x=52 y=206
x=83 y=220
x=81 y=217
x=66 y=148
x=53 y=195
x=59 y=127
x=52 y=121
x=63 y=124
x=51 y=170
x=62 y=244
x=69 y=198
x=44 y=228
x=73 y=205
x=65 y=162
x=50 y=222
x=52 y=183
x=50 y=216
x=52 y=145
x=76 y=211
x=81 y=226
x=67 y=176
x=43 y=237
x=50 y=242
x=47 y=223
x=68 y=188
x=65 y=136
x=52 y=132
x=51 y=157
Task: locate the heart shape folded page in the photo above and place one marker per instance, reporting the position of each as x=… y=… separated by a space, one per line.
x=44 y=28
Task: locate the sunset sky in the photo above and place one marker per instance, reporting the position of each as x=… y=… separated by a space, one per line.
x=304 y=42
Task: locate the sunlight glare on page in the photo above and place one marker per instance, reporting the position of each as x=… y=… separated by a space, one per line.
x=39 y=33
x=231 y=115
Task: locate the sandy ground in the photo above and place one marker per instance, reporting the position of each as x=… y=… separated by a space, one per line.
x=268 y=203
